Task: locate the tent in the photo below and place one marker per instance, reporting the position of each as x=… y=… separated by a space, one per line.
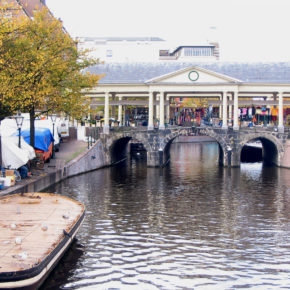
x=13 y=156
x=43 y=138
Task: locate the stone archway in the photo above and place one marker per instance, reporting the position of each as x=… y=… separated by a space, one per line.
x=272 y=147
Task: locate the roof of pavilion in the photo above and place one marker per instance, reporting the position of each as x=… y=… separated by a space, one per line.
x=115 y=73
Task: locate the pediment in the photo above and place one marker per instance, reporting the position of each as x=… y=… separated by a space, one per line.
x=193 y=75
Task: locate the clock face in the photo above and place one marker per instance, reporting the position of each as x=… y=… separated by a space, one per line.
x=193 y=75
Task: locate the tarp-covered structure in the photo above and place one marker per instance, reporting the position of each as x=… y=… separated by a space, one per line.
x=12 y=156
x=43 y=138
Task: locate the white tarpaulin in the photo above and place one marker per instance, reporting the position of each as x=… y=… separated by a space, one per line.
x=8 y=127
x=12 y=156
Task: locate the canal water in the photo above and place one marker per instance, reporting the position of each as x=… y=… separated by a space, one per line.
x=190 y=225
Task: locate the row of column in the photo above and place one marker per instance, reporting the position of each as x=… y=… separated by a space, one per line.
x=161 y=112
x=236 y=108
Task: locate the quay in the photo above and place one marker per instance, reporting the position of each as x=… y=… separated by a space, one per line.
x=56 y=170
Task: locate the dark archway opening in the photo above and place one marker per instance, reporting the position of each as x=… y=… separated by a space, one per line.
x=258 y=150
x=270 y=152
x=252 y=152
x=119 y=150
x=137 y=150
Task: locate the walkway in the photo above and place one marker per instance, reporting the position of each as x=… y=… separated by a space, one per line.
x=69 y=150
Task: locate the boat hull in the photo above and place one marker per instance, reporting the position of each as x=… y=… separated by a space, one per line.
x=33 y=277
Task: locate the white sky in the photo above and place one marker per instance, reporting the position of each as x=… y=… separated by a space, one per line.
x=247 y=30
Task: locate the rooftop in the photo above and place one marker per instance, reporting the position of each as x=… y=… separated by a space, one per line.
x=141 y=72
x=122 y=38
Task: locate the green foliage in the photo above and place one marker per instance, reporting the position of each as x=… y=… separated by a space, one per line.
x=41 y=67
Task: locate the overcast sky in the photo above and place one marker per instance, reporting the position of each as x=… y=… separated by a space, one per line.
x=247 y=30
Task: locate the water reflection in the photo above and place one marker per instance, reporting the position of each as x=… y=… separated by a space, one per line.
x=190 y=225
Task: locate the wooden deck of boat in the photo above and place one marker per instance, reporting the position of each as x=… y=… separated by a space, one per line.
x=39 y=221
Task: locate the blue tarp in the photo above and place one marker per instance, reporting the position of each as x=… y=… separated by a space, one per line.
x=43 y=138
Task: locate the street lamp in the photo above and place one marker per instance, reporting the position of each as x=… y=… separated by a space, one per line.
x=19 y=121
x=53 y=119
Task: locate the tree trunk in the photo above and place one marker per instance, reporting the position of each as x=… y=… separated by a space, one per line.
x=0 y=149
x=32 y=127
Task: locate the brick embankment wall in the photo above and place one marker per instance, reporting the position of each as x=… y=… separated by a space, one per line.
x=36 y=184
x=92 y=159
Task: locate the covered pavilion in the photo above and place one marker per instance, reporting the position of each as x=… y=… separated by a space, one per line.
x=228 y=85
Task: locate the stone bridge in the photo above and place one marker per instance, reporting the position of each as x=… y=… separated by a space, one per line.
x=231 y=142
x=155 y=142
x=276 y=145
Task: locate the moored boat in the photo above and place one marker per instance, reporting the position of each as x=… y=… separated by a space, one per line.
x=35 y=231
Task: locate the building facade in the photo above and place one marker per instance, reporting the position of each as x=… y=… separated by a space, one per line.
x=24 y=7
x=146 y=49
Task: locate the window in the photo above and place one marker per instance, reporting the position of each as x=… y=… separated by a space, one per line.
x=198 y=51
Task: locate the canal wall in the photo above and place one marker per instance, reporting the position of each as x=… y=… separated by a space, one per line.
x=285 y=162
x=91 y=159
x=56 y=171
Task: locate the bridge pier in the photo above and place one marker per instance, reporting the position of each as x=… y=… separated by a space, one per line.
x=156 y=158
x=228 y=141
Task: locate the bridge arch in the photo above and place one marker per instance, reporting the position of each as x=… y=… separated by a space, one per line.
x=117 y=146
x=117 y=150
x=271 y=147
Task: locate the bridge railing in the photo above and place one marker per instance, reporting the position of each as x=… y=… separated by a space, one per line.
x=127 y=129
x=145 y=129
x=201 y=130
x=92 y=134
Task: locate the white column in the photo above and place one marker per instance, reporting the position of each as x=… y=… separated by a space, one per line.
x=230 y=109
x=161 y=104
x=236 y=111
x=225 y=111
x=124 y=116
x=167 y=111
x=106 y=128
x=150 y=113
x=157 y=108
x=120 y=113
x=280 y=124
x=220 y=109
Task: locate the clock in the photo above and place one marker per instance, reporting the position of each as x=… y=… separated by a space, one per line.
x=193 y=75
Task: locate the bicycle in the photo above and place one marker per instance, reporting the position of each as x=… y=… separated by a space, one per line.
x=37 y=163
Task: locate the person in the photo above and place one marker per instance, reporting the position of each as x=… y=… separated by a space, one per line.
x=254 y=119
x=23 y=170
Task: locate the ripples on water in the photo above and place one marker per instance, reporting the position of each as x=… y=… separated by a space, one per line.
x=190 y=225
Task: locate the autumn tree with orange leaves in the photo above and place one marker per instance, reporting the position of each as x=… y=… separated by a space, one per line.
x=41 y=69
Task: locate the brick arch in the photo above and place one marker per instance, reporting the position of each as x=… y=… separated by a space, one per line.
x=142 y=139
x=272 y=146
x=112 y=141
x=221 y=141
x=269 y=137
x=169 y=139
x=115 y=154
